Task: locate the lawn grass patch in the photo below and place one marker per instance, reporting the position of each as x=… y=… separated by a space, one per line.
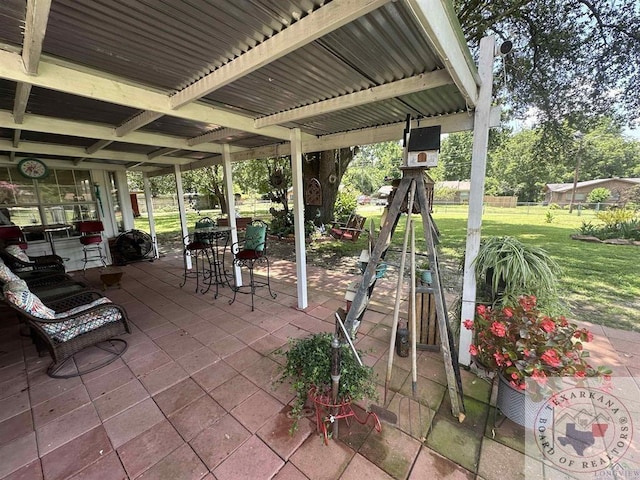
x=599 y=282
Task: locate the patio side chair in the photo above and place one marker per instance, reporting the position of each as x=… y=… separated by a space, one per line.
x=249 y=253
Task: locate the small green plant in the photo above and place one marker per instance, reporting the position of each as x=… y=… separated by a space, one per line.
x=308 y=366
x=549 y=217
x=588 y=228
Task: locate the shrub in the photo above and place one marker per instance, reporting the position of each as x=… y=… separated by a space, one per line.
x=615 y=217
x=598 y=195
x=282 y=225
x=346 y=203
x=617 y=224
x=588 y=228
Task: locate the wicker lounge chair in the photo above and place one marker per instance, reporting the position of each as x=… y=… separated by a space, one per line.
x=18 y=261
x=65 y=326
x=46 y=284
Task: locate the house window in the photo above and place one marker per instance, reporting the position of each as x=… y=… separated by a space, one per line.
x=65 y=196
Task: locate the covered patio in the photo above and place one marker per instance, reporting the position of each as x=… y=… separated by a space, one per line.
x=96 y=88
x=192 y=398
x=112 y=87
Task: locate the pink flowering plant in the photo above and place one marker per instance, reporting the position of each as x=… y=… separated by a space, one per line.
x=521 y=342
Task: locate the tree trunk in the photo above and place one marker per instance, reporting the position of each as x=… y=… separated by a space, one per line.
x=328 y=167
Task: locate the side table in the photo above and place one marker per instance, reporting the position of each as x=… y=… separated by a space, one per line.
x=111 y=277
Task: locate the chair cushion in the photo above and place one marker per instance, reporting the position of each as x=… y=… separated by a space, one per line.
x=254 y=237
x=197 y=245
x=90 y=239
x=81 y=323
x=6 y=275
x=18 y=294
x=248 y=254
x=82 y=308
x=17 y=252
x=336 y=232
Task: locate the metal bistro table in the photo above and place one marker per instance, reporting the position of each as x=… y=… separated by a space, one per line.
x=49 y=230
x=218 y=240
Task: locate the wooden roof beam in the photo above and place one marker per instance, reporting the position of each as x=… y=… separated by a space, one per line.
x=215 y=136
x=442 y=28
x=406 y=86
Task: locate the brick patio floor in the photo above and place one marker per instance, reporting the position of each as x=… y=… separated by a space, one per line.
x=192 y=398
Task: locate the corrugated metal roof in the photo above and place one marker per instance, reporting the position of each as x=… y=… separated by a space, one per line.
x=51 y=103
x=166 y=45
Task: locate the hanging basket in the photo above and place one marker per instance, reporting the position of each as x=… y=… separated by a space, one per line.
x=516 y=405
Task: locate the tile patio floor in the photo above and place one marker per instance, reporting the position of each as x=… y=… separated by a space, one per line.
x=192 y=397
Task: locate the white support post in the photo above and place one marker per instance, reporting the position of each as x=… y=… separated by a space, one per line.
x=182 y=211
x=124 y=199
x=231 y=205
x=476 y=195
x=298 y=215
x=148 y=199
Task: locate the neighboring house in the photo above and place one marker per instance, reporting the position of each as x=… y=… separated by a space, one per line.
x=461 y=189
x=560 y=193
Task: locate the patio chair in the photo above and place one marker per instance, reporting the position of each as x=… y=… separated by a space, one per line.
x=198 y=249
x=68 y=325
x=45 y=284
x=204 y=227
x=249 y=253
x=91 y=240
x=12 y=235
x=18 y=261
x=350 y=230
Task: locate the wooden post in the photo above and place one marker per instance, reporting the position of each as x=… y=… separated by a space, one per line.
x=476 y=195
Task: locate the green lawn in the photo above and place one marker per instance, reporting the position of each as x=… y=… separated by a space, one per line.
x=600 y=283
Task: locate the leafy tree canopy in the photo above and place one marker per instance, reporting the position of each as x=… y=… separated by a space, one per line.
x=372 y=166
x=572 y=59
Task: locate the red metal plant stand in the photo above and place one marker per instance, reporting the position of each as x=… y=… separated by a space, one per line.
x=328 y=413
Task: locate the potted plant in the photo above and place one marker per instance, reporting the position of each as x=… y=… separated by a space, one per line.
x=507 y=269
x=308 y=367
x=520 y=343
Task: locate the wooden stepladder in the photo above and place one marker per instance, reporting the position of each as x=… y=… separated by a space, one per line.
x=412 y=178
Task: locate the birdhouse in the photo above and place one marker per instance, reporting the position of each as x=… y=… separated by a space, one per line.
x=424 y=144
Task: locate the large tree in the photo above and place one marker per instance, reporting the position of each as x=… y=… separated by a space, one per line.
x=572 y=59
